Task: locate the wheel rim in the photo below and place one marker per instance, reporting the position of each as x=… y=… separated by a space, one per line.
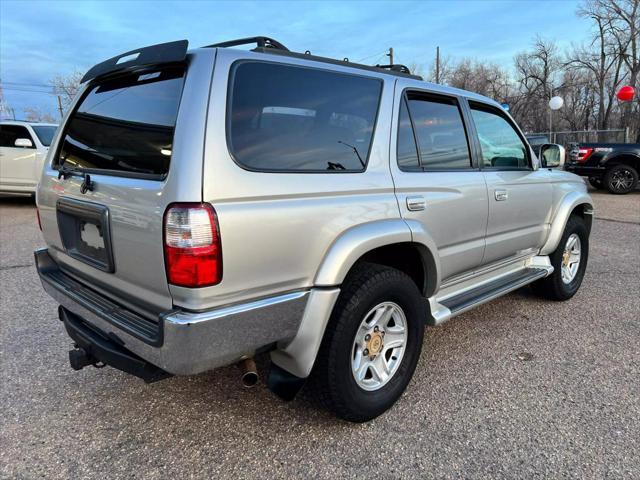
x=571 y=258
x=622 y=179
x=379 y=346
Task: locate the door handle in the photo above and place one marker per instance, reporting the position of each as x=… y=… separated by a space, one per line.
x=415 y=204
x=501 y=195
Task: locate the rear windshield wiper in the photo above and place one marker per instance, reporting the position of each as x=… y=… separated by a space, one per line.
x=65 y=172
x=87 y=183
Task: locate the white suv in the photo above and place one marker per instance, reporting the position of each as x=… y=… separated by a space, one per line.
x=23 y=148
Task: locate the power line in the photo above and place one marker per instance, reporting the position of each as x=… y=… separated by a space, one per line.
x=17 y=89
x=371 y=56
x=22 y=84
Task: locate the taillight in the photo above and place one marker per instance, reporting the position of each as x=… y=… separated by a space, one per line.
x=192 y=250
x=38 y=217
x=584 y=154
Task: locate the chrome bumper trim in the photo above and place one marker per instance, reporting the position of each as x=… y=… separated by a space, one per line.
x=195 y=342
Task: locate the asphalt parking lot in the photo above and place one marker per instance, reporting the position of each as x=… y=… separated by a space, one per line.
x=479 y=405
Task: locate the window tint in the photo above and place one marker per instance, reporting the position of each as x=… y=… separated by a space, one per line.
x=440 y=132
x=407 y=152
x=45 y=133
x=501 y=146
x=286 y=118
x=125 y=125
x=9 y=134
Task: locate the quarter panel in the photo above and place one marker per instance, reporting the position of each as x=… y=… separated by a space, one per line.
x=277 y=227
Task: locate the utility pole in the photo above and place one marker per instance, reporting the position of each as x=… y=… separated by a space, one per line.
x=437 y=64
x=390 y=55
x=60 y=107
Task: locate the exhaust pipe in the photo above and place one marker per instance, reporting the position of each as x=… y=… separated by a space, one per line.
x=249 y=372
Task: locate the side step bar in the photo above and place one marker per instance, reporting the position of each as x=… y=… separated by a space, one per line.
x=443 y=310
x=484 y=293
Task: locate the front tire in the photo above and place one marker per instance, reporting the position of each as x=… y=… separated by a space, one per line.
x=569 y=262
x=621 y=179
x=371 y=345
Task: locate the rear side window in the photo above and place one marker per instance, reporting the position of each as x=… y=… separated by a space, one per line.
x=10 y=133
x=125 y=125
x=440 y=132
x=285 y=118
x=407 y=151
x=501 y=145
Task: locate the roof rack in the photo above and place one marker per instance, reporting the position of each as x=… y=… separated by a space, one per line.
x=261 y=42
x=396 y=67
x=269 y=45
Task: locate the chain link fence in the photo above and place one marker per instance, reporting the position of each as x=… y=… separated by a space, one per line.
x=620 y=135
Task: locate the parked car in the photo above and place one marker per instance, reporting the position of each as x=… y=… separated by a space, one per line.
x=611 y=166
x=200 y=207
x=537 y=141
x=23 y=148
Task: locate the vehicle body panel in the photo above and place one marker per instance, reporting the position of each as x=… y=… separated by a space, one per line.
x=21 y=167
x=603 y=156
x=136 y=205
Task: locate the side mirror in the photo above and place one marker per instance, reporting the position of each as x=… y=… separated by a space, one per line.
x=552 y=155
x=23 y=143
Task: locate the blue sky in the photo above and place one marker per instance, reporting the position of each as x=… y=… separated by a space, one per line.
x=39 y=40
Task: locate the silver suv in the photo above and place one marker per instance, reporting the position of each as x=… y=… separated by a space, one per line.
x=203 y=206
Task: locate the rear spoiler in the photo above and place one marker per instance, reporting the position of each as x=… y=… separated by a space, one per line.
x=171 y=52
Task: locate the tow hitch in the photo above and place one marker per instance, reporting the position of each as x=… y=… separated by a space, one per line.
x=93 y=347
x=79 y=358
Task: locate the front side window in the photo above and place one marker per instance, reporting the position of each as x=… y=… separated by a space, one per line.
x=125 y=125
x=10 y=133
x=501 y=145
x=294 y=119
x=440 y=132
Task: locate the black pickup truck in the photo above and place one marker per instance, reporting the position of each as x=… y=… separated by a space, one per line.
x=613 y=166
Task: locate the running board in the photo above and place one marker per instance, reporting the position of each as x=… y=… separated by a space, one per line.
x=449 y=307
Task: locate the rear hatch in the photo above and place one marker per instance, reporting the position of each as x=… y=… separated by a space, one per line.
x=131 y=146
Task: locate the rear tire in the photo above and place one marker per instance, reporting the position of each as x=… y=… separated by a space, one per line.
x=621 y=179
x=596 y=183
x=336 y=382
x=565 y=281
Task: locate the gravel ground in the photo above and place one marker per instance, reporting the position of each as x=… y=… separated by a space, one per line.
x=478 y=406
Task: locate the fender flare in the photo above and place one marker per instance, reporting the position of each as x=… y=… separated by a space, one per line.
x=567 y=205
x=351 y=245
x=298 y=355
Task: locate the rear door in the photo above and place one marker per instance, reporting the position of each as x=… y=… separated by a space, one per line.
x=16 y=163
x=131 y=146
x=436 y=182
x=519 y=196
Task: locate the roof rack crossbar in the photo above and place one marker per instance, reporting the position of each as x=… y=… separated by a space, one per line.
x=261 y=42
x=396 y=67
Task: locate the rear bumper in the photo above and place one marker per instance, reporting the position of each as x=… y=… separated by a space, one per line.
x=179 y=342
x=585 y=171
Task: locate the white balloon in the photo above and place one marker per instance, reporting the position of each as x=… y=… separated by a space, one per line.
x=556 y=103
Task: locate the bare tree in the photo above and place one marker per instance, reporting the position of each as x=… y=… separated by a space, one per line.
x=34 y=114
x=66 y=86
x=536 y=71
x=5 y=110
x=603 y=58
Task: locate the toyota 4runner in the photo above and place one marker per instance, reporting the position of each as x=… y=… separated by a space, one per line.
x=203 y=206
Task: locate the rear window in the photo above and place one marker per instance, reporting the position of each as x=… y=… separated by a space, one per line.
x=295 y=119
x=125 y=125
